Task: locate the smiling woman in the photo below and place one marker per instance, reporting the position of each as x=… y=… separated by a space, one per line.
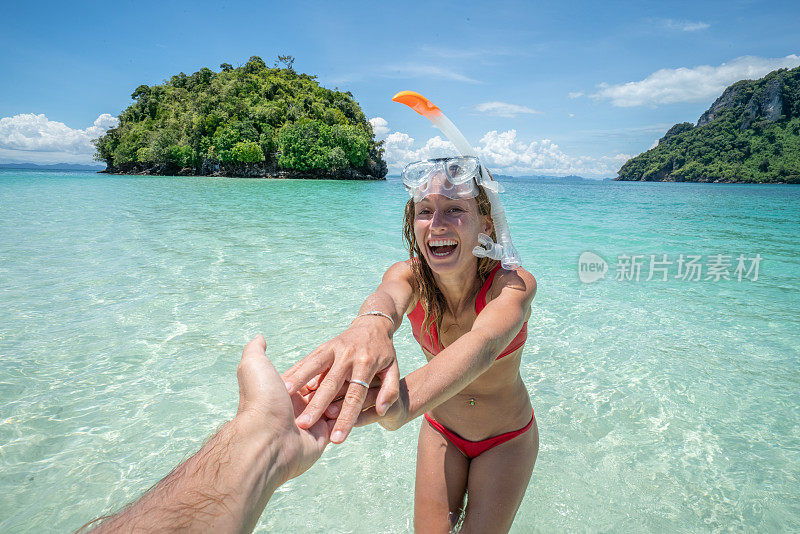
x=458 y=211
x=479 y=438
x=468 y=302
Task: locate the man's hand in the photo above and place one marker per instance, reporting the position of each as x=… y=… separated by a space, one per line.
x=362 y=352
x=264 y=404
x=227 y=484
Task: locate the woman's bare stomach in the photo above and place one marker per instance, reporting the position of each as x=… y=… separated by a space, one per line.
x=494 y=403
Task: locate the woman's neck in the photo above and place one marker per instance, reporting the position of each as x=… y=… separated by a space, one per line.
x=458 y=288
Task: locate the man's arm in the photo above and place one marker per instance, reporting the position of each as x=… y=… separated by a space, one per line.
x=226 y=485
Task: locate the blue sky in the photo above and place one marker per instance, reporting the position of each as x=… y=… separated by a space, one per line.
x=539 y=88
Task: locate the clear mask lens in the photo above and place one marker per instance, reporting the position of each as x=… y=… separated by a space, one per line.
x=416 y=174
x=452 y=177
x=460 y=170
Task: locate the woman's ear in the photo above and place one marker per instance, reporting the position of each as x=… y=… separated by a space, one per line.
x=488 y=225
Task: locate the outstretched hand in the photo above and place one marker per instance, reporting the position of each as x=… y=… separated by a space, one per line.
x=264 y=403
x=362 y=352
x=225 y=486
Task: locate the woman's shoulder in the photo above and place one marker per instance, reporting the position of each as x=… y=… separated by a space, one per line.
x=517 y=279
x=400 y=269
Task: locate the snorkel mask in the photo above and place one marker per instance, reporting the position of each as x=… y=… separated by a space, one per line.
x=455 y=178
x=458 y=178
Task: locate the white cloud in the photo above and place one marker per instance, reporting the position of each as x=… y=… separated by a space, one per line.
x=684 y=25
x=380 y=127
x=505 y=154
x=615 y=161
x=418 y=70
x=697 y=84
x=504 y=109
x=29 y=137
x=576 y=94
x=399 y=151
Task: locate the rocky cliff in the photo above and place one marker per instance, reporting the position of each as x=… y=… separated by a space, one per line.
x=751 y=133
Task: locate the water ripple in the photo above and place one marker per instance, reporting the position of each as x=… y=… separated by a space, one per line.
x=661 y=406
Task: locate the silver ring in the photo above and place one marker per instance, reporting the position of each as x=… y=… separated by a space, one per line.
x=360 y=383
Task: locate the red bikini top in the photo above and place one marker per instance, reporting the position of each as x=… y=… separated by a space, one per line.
x=430 y=340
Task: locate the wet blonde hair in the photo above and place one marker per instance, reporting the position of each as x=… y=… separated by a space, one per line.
x=430 y=295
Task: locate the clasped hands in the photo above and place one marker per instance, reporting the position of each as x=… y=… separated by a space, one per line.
x=322 y=404
x=327 y=377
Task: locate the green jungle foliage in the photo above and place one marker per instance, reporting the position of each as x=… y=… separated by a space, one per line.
x=242 y=118
x=753 y=136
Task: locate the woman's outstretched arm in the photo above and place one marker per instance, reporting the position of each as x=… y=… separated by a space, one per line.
x=362 y=352
x=462 y=361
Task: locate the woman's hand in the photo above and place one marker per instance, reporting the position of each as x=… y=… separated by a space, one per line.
x=362 y=352
x=395 y=416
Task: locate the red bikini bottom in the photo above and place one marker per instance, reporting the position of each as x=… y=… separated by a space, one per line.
x=473 y=449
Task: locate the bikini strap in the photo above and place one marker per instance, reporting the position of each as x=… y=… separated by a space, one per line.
x=480 y=300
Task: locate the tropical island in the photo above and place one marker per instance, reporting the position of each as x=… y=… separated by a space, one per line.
x=750 y=134
x=250 y=121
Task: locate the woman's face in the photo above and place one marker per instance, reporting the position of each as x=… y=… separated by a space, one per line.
x=447 y=230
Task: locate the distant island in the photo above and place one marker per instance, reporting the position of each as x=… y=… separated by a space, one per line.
x=750 y=134
x=251 y=121
x=571 y=178
x=52 y=166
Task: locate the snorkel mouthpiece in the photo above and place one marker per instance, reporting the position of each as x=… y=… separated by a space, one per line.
x=488 y=248
x=503 y=250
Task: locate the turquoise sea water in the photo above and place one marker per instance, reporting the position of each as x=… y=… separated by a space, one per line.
x=662 y=405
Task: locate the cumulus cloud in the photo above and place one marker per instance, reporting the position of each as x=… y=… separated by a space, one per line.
x=399 y=150
x=684 y=25
x=697 y=84
x=35 y=138
x=380 y=127
x=504 y=109
x=399 y=147
x=505 y=154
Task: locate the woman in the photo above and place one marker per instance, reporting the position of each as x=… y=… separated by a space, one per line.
x=478 y=436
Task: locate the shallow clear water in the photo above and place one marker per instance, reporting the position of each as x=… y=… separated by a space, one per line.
x=662 y=406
